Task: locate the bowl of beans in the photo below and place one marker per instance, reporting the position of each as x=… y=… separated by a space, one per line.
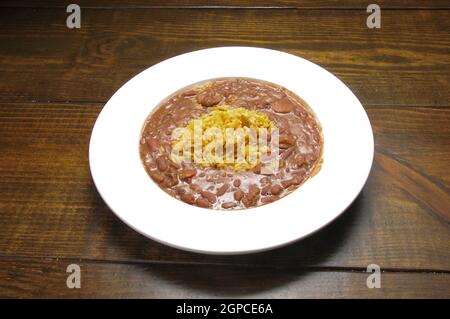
x=231 y=150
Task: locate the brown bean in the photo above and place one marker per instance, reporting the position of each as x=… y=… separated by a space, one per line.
x=283 y=105
x=293 y=181
x=222 y=189
x=196 y=188
x=152 y=144
x=253 y=189
x=269 y=199
x=265 y=190
x=180 y=190
x=209 y=196
x=167 y=148
x=286 y=141
x=151 y=165
x=288 y=152
x=257 y=168
x=188 y=198
x=296 y=180
x=286 y=183
x=173 y=164
x=276 y=189
x=300 y=160
x=157 y=177
x=241 y=103
x=229 y=205
x=238 y=195
x=250 y=200
x=161 y=163
x=170 y=180
x=189 y=93
x=300 y=175
x=237 y=183
x=201 y=202
x=187 y=173
x=264 y=180
x=209 y=98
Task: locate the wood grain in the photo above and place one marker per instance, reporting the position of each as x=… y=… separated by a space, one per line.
x=269 y=4
x=54 y=82
x=50 y=207
x=47 y=278
x=403 y=63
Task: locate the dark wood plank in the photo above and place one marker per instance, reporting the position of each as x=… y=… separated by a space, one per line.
x=419 y=136
x=385 y=4
x=405 y=62
x=51 y=208
x=47 y=278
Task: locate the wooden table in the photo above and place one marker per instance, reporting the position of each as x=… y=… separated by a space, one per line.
x=54 y=81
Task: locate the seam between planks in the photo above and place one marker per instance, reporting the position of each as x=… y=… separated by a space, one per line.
x=218 y=264
x=209 y=7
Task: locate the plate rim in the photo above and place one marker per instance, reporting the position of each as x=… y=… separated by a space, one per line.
x=220 y=252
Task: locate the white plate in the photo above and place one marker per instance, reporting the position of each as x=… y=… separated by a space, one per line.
x=125 y=186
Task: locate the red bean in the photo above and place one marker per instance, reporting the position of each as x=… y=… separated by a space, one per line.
x=188 y=198
x=286 y=183
x=257 y=168
x=201 y=202
x=222 y=189
x=250 y=200
x=286 y=141
x=209 y=98
x=161 y=163
x=209 y=196
x=187 y=173
x=276 y=189
x=296 y=180
x=170 y=180
x=238 y=195
x=173 y=164
x=253 y=189
x=269 y=199
x=189 y=93
x=196 y=188
x=293 y=181
x=237 y=183
x=265 y=190
x=157 y=177
x=300 y=160
x=287 y=153
x=283 y=105
x=152 y=144
x=229 y=205
x=180 y=190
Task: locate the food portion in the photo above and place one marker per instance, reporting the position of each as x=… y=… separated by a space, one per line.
x=231 y=143
x=237 y=123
